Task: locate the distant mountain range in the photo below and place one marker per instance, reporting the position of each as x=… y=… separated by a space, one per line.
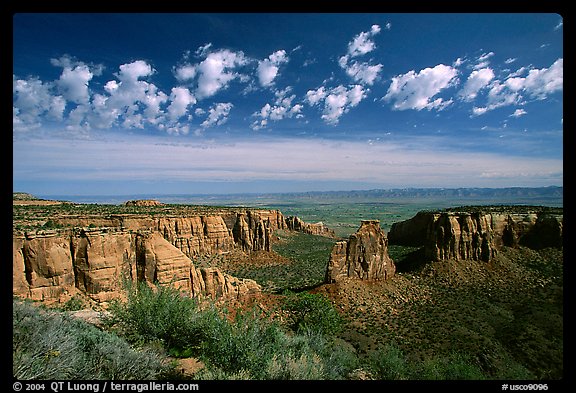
x=552 y=195
x=510 y=192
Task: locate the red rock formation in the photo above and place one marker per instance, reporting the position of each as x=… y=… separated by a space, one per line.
x=477 y=235
x=143 y=202
x=46 y=268
x=364 y=255
x=297 y=224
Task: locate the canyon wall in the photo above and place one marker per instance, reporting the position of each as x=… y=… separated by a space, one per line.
x=48 y=265
x=364 y=255
x=296 y=224
x=477 y=235
x=59 y=265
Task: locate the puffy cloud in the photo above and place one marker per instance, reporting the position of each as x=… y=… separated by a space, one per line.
x=268 y=68
x=362 y=43
x=180 y=99
x=482 y=61
x=313 y=97
x=339 y=101
x=127 y=98
x=217 y=115
x=518 y=113
x=538 y=84
x=33 y=99
x=416 y=90
x=282 y=108
x=73 y=83
x=214 y=73
x=477 y=80
x=364 y=72
x=131 y=72
x=185 y=72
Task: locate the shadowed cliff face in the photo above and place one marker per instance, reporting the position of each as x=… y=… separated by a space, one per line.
x=363 y=256
x=477 y=235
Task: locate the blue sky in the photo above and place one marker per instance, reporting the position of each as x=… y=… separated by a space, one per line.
x=107 y=104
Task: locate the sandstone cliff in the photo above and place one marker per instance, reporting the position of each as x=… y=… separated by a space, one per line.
x=363 y=256
x=297 y=224
x=143 y=202
x=50 y=267
x=478 y=235
x=49 y=264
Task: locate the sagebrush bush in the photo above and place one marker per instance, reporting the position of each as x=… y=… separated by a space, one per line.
x=249 y=346
x=160 y=313
x=52 y=345
x=452 y=367
x=390 y=363
x=308 y=311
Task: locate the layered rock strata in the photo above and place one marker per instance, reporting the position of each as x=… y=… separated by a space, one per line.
x=477 y=235
x=297 y=224
x=95 y=264
x=50 y=264
x=364 y=255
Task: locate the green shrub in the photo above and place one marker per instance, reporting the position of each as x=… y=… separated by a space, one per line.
x=160 y=313
x=248 y=347
x=389 y=363
x=452 y=367
x=74 y=304
x=314 y=312
x=52 y=345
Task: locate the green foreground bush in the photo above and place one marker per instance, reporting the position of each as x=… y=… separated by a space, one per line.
x=249 y=347
x=51 y=345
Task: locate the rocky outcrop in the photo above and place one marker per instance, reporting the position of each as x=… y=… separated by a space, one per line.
x=50 y=267
x=460 y=236
x=196 y=235
x=363 y=256
x=295 y=223
x=477 y=235
x=143 y=203
x=49 y=264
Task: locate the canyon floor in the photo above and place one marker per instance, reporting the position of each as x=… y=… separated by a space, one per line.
x=504 y=315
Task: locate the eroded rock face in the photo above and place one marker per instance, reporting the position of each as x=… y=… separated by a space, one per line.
x=460 y=236
x=197 y=235
x=297 y=224
x=45 y=268
x=477 y=235
x=143 y=202
x=143 y=248
x=363 y=256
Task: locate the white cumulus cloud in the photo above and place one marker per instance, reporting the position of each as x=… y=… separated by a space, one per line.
x=281 y=109
x=538 y=84
x=415 y=90
x=32 y=100
x=214 y=73
x=477 y=80
x=339 y=101
x=361 y=72
x=180 y=100
x=362 y=43
x=217 y=115
x=268 y=68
